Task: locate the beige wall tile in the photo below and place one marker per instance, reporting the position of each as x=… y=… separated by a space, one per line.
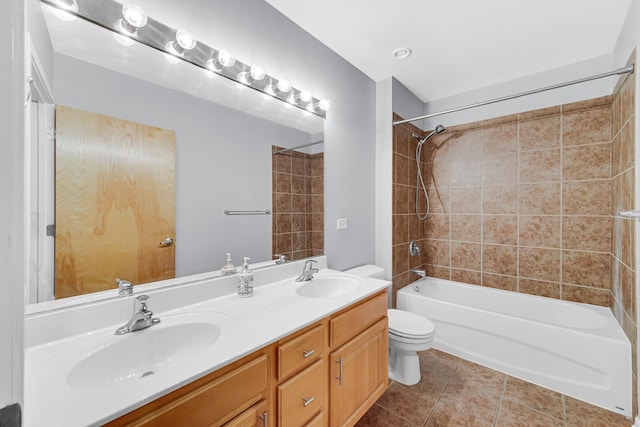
x=540 y=264
x=400 y=229
x=500 y=229
x=466 y=228
x=586 y=233
x=539 y=231
x=500 y=169
x=616 y=155
x=586 y=162
x=627 y=97
x=466 y=276
x=439 y=200
x=540 y=133
x=588 y=126
x=438 y=271
x=542 y=112
x=500 y=199
x=627 y=147
x=436 y=227
x=586 y=295
x=500 y=259
x=540 y=288
x=507 y=283
x=540 y=166
x=465 y=256
x=437 y=252
x=543 y=198
x=586 y=197
x=466 y=200
x=586 y=269
x=500 y=139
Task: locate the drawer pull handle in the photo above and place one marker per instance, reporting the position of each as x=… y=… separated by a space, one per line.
x=339 y=377
x=263 y=417
x=308 y=401
x=309 y=353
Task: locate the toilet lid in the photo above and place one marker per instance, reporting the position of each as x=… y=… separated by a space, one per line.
x=406 y=324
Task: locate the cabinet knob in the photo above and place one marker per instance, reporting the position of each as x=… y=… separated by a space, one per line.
x=308 y=401
x=309 y=353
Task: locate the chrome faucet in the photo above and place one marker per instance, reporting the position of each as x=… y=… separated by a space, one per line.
x=142 y=317
x=125 y=288
x=308 y=271
x=282 y=259
x=419 y=272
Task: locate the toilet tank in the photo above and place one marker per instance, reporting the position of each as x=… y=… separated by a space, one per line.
x=374 y=271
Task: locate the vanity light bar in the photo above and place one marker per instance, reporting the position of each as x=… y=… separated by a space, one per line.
x=130 y=22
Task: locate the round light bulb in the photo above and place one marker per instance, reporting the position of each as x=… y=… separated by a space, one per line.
x=185 y=39
x=324 y=104
x=284 y=85
x=257 y=72
x=212 y=65
x=134 y=15
x=305 y=96
x=225 y=58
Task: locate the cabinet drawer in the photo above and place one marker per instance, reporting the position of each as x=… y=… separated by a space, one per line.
x=317 y=421
x=256 y=416
x=300 y=352
x=350 y=323
x=302 y=397
x=215 y=402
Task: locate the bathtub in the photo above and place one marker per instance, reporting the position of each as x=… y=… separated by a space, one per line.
x=572 y=348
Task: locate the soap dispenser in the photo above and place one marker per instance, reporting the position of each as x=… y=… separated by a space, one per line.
x=245 y=280
x=228 y=269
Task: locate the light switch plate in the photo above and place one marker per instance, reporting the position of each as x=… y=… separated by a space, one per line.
x=342 y=223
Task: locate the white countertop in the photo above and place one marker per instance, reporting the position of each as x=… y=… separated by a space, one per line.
x=247 y=324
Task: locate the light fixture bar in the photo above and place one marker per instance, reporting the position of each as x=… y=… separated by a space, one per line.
x=108 y=14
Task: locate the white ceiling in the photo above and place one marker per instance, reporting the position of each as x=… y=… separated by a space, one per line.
x=460 y=45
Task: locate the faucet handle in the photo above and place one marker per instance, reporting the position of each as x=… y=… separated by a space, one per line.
x=125 y=287
x=281 y=258
x=140 y=304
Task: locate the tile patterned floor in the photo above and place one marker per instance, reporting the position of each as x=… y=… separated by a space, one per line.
x=456 y=392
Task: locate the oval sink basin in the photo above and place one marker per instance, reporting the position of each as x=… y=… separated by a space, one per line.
x=136 y=355
x=324 y=286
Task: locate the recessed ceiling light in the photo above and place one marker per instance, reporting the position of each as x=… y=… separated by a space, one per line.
x=402 y=53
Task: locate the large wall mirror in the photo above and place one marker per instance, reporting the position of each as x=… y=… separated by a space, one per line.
x=243 y=171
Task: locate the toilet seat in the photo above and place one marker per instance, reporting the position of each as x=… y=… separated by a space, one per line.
x=405 y=324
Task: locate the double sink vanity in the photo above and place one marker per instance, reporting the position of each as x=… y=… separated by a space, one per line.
x=311 y=353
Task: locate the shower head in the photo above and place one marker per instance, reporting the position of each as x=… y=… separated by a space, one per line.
x=438 y=129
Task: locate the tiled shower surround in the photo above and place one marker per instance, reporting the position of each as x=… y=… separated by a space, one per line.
x=298 y=204
x=527 y=203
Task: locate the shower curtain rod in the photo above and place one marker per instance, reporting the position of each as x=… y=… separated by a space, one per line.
x=295 y=148
x=619 y=71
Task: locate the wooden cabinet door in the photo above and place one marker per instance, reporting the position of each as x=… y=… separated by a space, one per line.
x=115 y=202
x=358 y=375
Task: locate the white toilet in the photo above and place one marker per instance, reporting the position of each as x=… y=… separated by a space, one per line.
x=408 y=334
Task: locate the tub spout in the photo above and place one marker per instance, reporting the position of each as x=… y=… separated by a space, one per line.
x=419 y=272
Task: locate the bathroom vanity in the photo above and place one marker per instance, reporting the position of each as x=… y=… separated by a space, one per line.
x=295 y=354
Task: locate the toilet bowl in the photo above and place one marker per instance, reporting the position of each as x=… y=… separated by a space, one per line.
x=408 y=334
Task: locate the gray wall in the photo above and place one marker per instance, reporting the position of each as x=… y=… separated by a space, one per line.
x=40 y=37
x=223 y=159
x=406 y=104
x=257 y=33
x=12 y=211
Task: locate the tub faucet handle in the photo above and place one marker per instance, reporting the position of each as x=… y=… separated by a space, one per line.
x=414 y=249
